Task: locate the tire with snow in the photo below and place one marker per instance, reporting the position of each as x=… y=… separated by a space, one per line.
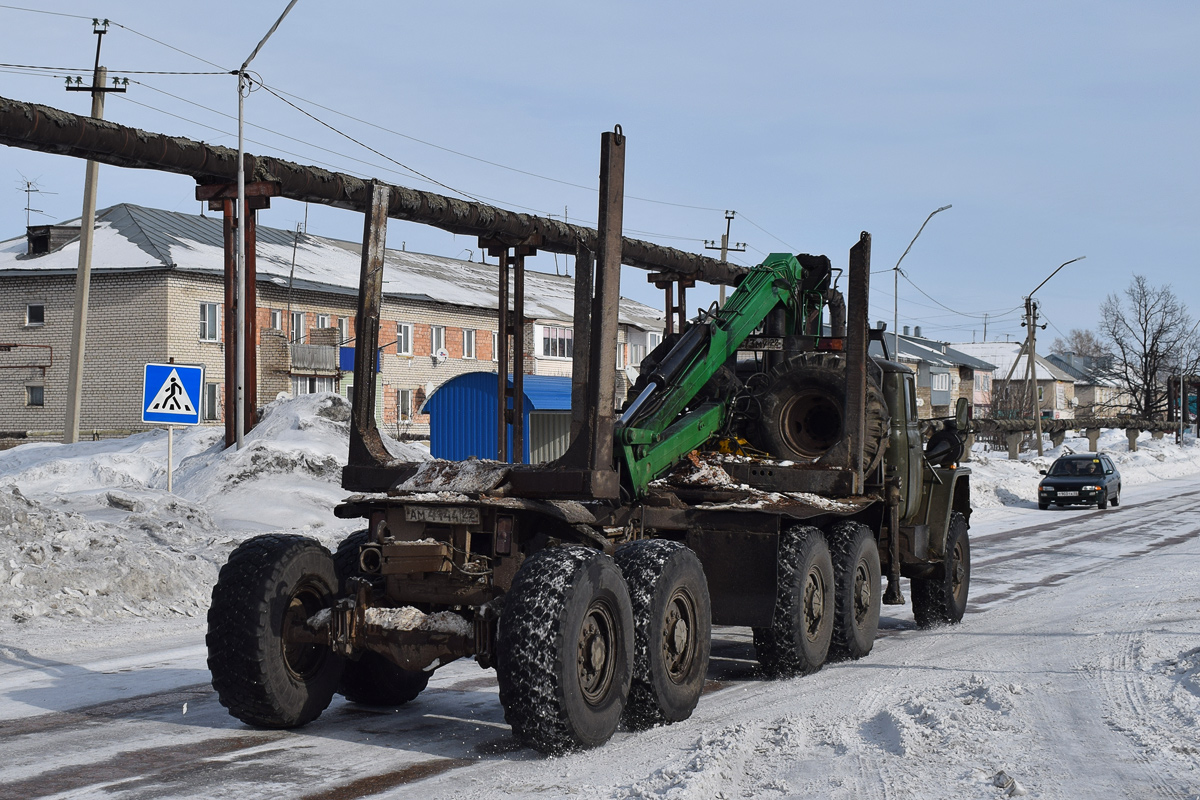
x=942 y=600
x=268 y=667
x=1116 y=499
x=564 y=650
x=857 y=597
x=797 y=643
x=802 y=410
x=672 y=628
x=1102 y=503
x=372 y=680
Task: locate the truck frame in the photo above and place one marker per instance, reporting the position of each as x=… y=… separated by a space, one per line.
x=764 y=472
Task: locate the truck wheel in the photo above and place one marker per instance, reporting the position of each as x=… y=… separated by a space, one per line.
x=943 y=600
x=797 y=642
x=564 y=650
x=672 y=627
x=802 y=411
x=857 y=596
x=268 y=669
x=372 y=680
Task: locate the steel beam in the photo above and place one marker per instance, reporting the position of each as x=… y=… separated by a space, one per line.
x=37 y=127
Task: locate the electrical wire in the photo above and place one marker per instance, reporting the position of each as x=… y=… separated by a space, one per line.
x=768 y=233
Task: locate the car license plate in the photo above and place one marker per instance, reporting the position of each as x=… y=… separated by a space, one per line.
x=1068 y=494
x=442 y=515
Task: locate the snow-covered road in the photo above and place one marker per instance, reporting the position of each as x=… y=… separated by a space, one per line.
x=1076 y=674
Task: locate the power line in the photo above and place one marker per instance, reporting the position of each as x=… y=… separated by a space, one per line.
x=790 y=248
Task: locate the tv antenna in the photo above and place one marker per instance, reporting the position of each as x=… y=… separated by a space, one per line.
x=30 y=188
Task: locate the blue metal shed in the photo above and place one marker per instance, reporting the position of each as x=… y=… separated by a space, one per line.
x=462 y=417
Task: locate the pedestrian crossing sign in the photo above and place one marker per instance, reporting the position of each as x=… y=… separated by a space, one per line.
x=171 y=394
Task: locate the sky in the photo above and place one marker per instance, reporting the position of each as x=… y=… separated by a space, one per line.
x=1055 y=130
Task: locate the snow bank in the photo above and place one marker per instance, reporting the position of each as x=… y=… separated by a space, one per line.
x=997 y=482
x=89 y=530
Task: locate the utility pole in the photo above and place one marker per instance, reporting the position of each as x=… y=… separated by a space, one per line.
x=725 y=248
x=87 y=223
x=1031 y=315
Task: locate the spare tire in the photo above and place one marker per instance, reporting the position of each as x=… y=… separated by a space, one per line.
x=803 y=406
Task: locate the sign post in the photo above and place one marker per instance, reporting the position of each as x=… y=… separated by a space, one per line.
x=170 y=394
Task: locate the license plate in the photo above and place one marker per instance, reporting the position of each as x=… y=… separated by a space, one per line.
x=762 y=343
x=442 y=515
x=1068 y=494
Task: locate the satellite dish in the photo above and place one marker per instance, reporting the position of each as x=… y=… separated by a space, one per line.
x=631 y=374
x=441 y=355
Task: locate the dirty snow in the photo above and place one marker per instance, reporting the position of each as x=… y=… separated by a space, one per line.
x=408 y=618
x=1076 y=673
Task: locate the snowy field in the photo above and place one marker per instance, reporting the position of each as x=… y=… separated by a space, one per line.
x=1076 y=673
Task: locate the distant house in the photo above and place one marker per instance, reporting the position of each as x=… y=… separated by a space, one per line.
x=944 y=374
x=1055 y=387
x=1097 y=392
x=157 y=293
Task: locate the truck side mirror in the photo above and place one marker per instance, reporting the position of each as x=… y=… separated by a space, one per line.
x=960 y=415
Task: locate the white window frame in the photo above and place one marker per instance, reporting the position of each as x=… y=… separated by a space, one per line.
x=29 y=323
x=404 y=338
x=404 y=405
x=343 y=326
x=495 y=346
x=653 y=340
x=939 y=382
x=620 y=355
x=323 y=321
x=276 y=319
x=210 y=403
x=312 y=384
x=437 y=338
x=557 y=341
x=298 y=333
x=468 y=343
x=30 y=391
x=210 y=319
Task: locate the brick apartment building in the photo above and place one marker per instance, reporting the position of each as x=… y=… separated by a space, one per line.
x=157 y=293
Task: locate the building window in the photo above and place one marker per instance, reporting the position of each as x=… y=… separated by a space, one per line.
x=636 y=353
x=404 y=404
x=298 y=327
x=557 y=342
x=35 y=314
x=208 y=406
x=653 y=340
x=940 y=381
x=495 y=347
x=620 y=355
x=468 y=344
x=343 y=326
x=276 y=319
x=322 y=320
x=437 y=338
x=208 y=322
x=404 y=339
x=311 y=384
x=35 y=396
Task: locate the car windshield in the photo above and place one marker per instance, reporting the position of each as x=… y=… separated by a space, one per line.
x=1076 y=466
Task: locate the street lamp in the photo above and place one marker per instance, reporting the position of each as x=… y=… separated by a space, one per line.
x=239 y=410
x=1183 y=391
x=1031 y=348
x=896 y=284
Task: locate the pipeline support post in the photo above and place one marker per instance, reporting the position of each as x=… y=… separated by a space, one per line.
x=223 y=197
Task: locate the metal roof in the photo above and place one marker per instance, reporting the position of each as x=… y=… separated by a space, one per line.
x=1003 y=354
x=131 y=237
x=928 y=351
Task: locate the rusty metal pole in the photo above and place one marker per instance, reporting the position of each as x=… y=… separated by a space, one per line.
x=229 y=228
x=606 y=305
x=250 y=342
x=366 y=446
x=857 y=326
x=502 y=350
x=580 y=363
x=518 y=347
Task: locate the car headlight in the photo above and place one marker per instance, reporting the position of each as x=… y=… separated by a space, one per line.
x=1090 y=488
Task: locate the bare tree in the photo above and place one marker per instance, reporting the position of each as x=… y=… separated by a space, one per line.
x=1151 y=338
x=1081 y=342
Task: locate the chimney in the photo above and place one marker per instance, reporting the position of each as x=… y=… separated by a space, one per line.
x=906 y=330
x=42 y=239
x=917 y=331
